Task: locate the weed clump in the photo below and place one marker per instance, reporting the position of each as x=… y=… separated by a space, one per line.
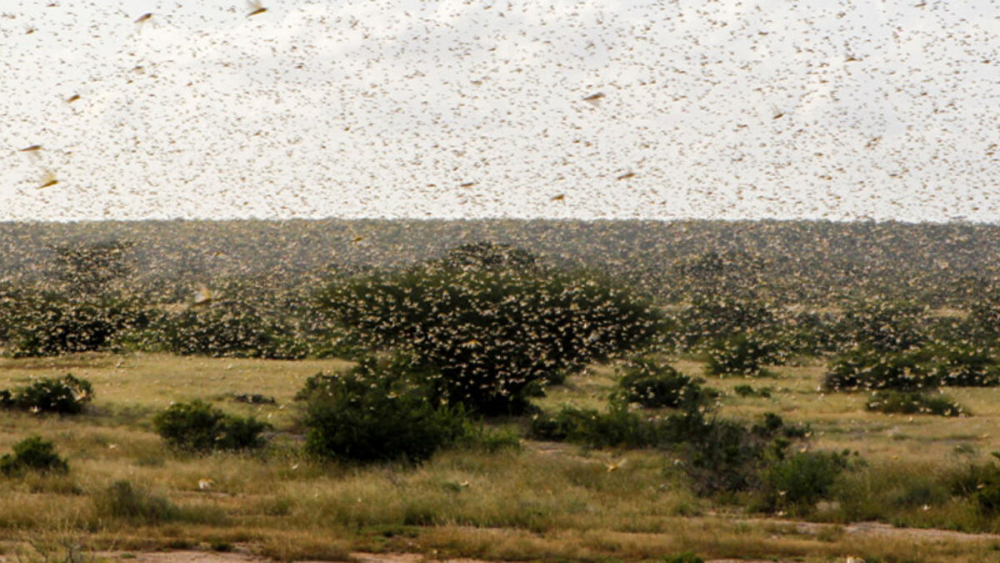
x=199 y=427
x=124 y=501
x=32 y=454
x=899 y=402
x=68 y=395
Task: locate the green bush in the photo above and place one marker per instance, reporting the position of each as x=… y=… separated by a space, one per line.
x=721 y=318
x=653 y=385
x=51 y=324
x=900 y=402
x=800 y=480
x=199 y=427
x=68 y=395
x=32 y=454
x=807 y=333
x=722 y=456
x=725 y=456
x=960 y=365
x=377 y=412
x=868 y=368
x=123 y=501
x=496 y=334
x=742 y=355
x=883 y=325
x=231 y=329
x=686 y=557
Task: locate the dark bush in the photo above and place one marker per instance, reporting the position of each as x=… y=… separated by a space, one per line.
x=721 y=318
x=377 y=412
x=899 y=402
x=495 y=334
x=32 y=454
x=123 y=501
x=883 y=325
x=231 y=328
x=868 y=368
x=485 y=255
x=959 y=365
x=68 y=395
x=749 y=391
x=724 y=456
x=742 y=355
x=800 y=480
x=806 y=333
x=653 y=385
x=50 y=324
x=199 y=427
x=984 y=316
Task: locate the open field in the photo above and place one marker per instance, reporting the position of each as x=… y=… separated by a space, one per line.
x=545 y=502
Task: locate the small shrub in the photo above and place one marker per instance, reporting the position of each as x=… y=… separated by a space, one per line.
x=742 y=355
x=653 y=385
x=724 y=456
x=799 y=481
x=32 y=454
x=63 y=396
x=123 y=501
x=197 y=426
x=899 y=402
x=377 y=412
x=686 y=557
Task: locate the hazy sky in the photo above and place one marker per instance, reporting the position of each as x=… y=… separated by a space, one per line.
x=710 y=109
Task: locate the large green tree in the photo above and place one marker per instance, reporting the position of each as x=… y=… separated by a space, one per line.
x=495 y=332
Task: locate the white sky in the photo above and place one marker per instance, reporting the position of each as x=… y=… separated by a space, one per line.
x=386 y=109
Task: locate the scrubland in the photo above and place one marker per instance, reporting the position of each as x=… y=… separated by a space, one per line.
x=543 y=501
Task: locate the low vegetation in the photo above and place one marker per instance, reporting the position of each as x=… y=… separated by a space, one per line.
x=899 y=402
x=66 y=395
x=32 y=454
x=197 y=426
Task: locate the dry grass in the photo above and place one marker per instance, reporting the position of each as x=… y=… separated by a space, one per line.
x=541 y=503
